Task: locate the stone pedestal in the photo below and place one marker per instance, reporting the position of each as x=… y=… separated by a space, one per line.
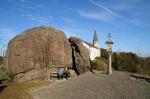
x=110 y=65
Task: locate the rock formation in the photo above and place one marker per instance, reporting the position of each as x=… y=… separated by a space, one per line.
x=81 y=59
x=36 y=49
x=33 y=51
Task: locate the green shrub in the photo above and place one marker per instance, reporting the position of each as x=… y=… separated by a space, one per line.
x=104 y=54
x=130 y=62
x=99 y=64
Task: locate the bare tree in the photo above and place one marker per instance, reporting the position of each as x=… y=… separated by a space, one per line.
x=2 y=57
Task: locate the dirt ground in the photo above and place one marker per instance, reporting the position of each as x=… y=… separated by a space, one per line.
x=119 y=85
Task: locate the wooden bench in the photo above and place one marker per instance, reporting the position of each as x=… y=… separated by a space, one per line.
x=53 y=72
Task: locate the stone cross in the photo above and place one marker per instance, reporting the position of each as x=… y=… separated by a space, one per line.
x=109 y=36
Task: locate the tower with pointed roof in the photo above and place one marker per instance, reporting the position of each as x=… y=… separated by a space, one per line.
x=95 y=40
x=93 y=49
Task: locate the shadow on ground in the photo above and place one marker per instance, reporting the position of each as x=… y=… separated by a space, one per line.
x=141 y=77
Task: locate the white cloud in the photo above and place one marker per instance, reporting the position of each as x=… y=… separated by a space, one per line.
x=40 y=19
x=109 y=10
x=107 y=14
x=102 y=16
x=120 y=6
x=48 y=19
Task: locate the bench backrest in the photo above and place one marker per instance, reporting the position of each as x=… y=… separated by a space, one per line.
x=54 y=69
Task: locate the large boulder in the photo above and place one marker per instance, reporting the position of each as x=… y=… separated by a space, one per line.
x=81 y=59
x=30 y=75
x=37 y=48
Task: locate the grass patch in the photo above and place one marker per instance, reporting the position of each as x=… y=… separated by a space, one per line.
x=21 y=90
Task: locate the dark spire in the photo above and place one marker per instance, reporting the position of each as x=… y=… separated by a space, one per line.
x=95 y=37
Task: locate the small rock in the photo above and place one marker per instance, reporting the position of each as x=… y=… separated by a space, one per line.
x=73 y=73
x=132 y=78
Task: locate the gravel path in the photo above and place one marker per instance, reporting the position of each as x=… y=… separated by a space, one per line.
x=119 y=85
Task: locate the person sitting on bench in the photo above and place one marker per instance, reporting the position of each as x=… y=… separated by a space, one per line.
x=59 y=73
x=66 y=72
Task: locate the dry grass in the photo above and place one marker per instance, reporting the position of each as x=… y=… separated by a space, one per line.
x=21 y=90
x=100 y=64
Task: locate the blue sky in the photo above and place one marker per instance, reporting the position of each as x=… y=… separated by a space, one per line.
x=128 y=21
